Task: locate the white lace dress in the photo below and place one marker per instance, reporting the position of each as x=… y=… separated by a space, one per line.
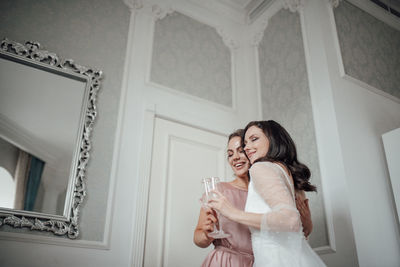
x=280 y=241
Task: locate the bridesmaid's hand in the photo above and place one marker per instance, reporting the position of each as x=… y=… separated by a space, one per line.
x=222 y=205
x=305 y=213
x=209 y=222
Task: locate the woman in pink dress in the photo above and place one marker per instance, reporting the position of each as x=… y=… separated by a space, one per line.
x=236 y=250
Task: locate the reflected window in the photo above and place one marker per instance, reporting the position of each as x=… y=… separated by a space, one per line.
x=7 y=189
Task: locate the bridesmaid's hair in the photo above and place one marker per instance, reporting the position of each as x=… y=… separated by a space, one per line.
x=282 y=149
x=237 y=133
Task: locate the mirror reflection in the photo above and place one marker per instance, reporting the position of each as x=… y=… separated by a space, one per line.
x=40 y=118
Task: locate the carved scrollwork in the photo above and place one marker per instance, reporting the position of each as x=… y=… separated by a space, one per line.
x=32 y=51
x=258 y=35
x=334 y=3
x=227 y=39
x=160 y=12
x=293 y=5
x=133 y=4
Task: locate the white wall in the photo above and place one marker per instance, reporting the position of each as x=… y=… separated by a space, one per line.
x=362 y=116
x=391 y=143
x=349 y=121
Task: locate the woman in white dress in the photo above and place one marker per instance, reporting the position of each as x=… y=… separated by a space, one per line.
x=271 y=214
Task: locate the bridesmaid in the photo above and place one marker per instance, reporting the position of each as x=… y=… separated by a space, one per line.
x=236 y=250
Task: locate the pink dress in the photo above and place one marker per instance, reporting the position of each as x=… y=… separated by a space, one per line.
x=236 y=250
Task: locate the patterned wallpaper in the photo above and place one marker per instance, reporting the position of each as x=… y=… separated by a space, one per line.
x=370 y=48
x=191 y=57
x=93 y=33
x=286 y=99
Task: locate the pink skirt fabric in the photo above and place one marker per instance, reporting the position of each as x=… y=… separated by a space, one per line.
x=225 y=257
x=236 y=250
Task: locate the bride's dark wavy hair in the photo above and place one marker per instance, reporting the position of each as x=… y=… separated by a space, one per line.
x=282 y=149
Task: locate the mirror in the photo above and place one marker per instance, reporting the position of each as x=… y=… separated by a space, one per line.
x=47 y=111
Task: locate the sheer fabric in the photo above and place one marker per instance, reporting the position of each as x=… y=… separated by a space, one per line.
x=280 y=240
x=277 y=191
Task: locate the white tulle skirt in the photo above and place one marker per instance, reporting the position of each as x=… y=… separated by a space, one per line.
x=283 y=250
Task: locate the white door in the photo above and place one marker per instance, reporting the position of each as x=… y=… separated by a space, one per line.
x=182 y=155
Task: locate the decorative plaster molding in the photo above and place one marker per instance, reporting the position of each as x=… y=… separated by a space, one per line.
x=160 y=12
x=258 y=35
x=227 y=38
x=133 y=4
x=334 y=3
x=293 y=5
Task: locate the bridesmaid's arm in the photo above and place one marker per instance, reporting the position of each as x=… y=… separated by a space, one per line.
x=205 y=225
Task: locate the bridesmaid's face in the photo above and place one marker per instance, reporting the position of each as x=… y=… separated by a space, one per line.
x=256 y=143
x=237 y=158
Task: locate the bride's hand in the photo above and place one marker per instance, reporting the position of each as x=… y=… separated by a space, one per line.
x=222 y=205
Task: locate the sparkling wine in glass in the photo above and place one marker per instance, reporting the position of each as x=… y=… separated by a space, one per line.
x=210 y=184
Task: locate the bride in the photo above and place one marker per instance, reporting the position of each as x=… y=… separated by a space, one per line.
x=270 y=213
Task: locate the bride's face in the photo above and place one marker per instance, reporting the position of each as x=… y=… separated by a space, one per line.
x=256 y=143
x=237 y=158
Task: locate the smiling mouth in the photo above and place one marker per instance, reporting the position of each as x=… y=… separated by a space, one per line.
x=239 y=165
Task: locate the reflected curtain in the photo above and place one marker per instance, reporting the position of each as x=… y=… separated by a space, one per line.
x=33 y=182
x=21 y=177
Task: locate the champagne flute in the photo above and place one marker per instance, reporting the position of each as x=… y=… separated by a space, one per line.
x=210 y=184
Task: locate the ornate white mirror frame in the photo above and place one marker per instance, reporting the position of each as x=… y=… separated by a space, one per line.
x=33 y=56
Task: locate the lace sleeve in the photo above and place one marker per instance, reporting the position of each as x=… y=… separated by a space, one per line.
x=271 y=184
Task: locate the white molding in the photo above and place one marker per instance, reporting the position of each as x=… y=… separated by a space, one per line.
x=160 y=12
x=258 y=27
x=342 y=71
x=377 y=12
x=227 y=39
x=293 y=5
x=370 y=88
x=258 y=82
x=231 y=43
x=133 y=4
x=199 y=14
x=334 y=3
x=324 y=250
x=143 y=187
x=179 y=95
x=234 y=80
x=336 y=42
x=334 y=181
x=259 y=33
x=331 y=246
x=108 y=226
x=49 y=240
x=237 y=6
x=228 y=11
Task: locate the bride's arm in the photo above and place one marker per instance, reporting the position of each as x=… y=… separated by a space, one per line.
x=270 y=184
